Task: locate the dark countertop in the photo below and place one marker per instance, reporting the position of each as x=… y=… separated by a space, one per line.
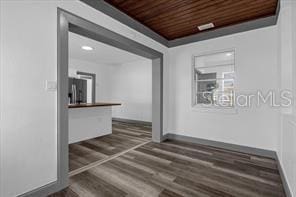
x=84 y=105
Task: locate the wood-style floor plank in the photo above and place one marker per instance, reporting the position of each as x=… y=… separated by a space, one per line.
x=171 y=169
x=124 y=136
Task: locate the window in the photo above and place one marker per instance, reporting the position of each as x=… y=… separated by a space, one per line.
x=213 y=80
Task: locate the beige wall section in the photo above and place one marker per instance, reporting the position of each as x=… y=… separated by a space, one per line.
x=28 y=127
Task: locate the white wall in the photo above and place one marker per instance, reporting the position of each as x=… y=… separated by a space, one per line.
x=256 y=69
x=287 y=60
x=132 y=86
x=293 y=23
x=127 y=83
x=28 y=112
x=1 y=89
x=28 y=124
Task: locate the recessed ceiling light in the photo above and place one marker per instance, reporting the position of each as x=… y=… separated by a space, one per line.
x=228 y=54
x=87 y=48
x=205 y=26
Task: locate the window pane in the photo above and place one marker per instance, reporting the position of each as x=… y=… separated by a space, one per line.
x=214 y=80
x=215 y=72
x=222 y=85
x=215 y=99
x=216 y=59
x=228 y=75
x=206 y=86
x=205 y=98
x=227 y=85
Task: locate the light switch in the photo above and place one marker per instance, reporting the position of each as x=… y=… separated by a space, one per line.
x=51 y=86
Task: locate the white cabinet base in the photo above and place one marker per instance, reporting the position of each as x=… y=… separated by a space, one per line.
x=88 y=123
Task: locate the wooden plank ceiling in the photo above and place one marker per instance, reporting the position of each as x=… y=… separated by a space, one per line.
x=180 y=18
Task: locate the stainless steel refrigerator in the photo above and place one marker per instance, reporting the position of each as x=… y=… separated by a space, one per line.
x=77 y=90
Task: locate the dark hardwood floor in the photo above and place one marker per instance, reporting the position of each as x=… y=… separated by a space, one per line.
x=174 y=169
x=124 y=136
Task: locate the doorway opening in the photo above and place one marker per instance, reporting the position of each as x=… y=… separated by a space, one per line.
x=70 y=23
x=110 y=102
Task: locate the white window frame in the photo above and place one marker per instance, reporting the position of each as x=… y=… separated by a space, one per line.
x=201 y=107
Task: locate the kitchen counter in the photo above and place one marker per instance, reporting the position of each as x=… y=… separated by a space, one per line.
x=90 y=120
x=99 y=104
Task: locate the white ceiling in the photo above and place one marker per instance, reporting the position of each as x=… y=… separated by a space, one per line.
x=101 y=53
